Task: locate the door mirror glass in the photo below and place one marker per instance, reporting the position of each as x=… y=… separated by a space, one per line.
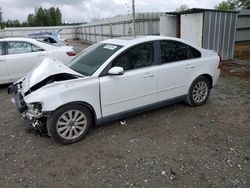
x=116 y=71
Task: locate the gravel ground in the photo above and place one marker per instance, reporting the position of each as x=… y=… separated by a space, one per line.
x=176 y=146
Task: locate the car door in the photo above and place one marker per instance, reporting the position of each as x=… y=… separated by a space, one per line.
x=176 y=69
x=22 y=57
x=136 y=87
x=4 y=76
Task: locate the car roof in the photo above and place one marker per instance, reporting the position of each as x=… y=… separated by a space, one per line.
x=33 y=41
x=18 y=39
x=44 y=33
x=130 y=40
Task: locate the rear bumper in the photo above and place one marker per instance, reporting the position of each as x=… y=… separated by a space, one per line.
x=216 y=76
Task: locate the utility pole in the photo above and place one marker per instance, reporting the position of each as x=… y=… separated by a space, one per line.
x=1 y=18
x=133 y=11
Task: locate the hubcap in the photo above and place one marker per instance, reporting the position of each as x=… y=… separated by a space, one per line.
x=71 y=124
x=200 y=92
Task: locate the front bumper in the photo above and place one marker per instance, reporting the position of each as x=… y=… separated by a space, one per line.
x=17 y=98
x=22 y=106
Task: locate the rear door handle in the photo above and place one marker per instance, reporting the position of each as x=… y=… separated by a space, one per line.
x=148 y=75
x=189 y=67
x=40 y=55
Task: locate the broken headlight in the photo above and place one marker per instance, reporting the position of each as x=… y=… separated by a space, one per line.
x=35 y=108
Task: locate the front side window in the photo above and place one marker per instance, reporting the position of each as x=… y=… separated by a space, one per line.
x=139 y=56
x=89 y=60
x=18 y=47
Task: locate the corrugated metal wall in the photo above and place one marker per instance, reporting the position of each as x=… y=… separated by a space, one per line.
x=243 y=26
x=146 y=24
x=67 y=31
x=219 y=32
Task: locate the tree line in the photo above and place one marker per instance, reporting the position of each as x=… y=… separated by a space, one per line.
x=233 y=5
x=41 y=17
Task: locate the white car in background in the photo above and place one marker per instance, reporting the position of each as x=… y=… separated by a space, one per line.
x=113 y=79
x=18 y=56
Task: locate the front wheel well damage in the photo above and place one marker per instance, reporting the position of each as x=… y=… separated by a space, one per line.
x=85 y=104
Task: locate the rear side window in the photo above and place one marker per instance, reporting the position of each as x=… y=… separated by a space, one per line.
x=139 y=56
x=19 y=47
x=173 y=51
x=36 y=48
x=193 y=53
x=1 y=48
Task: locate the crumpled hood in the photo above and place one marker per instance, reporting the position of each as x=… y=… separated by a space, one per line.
x=47 y=68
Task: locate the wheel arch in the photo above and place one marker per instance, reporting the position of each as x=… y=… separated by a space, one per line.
x=208 y=77
x=85 y=104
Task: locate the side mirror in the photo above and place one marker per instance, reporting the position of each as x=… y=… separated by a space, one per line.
x=116 y=71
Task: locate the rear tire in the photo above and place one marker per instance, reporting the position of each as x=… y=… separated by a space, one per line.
x=198 y=92
x=69 y=123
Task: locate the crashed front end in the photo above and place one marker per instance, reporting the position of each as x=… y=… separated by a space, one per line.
x=46 y=74
x=31 y=112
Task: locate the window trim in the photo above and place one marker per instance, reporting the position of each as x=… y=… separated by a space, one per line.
x=109 y=66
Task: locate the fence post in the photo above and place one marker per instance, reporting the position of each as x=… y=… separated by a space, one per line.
x=110 y=28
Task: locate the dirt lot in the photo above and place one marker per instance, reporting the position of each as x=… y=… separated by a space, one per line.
x=177 y=146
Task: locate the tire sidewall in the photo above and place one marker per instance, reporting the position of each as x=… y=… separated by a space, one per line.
x=52 y=121
x=190 y=93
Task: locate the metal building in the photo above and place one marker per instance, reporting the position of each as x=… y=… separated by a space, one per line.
x=243 y=26
x=209 y=29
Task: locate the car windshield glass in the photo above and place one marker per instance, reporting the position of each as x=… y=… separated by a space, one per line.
x=89 y=60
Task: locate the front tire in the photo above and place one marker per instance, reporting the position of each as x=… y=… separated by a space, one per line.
x=69 y=123
x=198 y=92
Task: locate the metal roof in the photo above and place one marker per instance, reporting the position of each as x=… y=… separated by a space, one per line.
x=200 y=10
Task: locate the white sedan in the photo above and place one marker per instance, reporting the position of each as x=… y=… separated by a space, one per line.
x=18 y=56
x=113 y=79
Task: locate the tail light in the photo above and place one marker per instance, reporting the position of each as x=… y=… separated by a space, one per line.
x=220 y=62
x=71 y=53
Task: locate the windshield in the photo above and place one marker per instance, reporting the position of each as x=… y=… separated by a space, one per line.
x=89 y=60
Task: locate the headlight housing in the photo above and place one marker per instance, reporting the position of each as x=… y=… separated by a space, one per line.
x=35 y=108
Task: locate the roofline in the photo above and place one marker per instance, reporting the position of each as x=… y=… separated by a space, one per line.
x=144 y=38
x=200 y=10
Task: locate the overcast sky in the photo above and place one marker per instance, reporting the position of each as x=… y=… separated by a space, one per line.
x=86 y=10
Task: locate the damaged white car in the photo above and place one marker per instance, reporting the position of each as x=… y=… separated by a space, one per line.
x=113 y=79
